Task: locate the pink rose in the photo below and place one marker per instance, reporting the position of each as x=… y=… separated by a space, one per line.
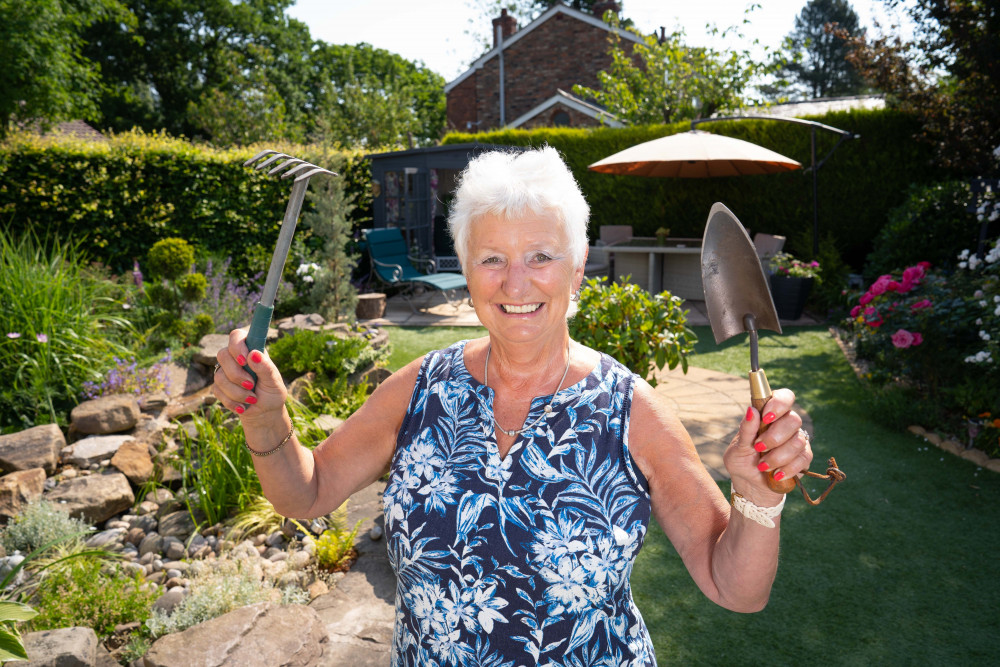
x=920 y=305
x=917 y=339
x=913 y=274
x=855 y=311
x=924 y=265
x=902 y=339
x=892 y=286
x=872 y=317
x=905 y=287
x=866 y=298
x=880 y=285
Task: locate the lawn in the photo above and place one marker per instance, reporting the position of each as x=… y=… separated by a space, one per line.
x=895 y=568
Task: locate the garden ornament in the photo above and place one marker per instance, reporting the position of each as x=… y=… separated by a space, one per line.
x=302 y=171
x=739 y=301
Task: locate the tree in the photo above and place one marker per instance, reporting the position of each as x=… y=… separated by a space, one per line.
x=948 y=75
x=672 y=81
x=44 y=75
x=819 y=61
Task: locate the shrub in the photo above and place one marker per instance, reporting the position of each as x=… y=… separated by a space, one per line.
x=335 y=546
x=218 y=590
x=932 y=225
x=41 y=523
x=62 y=322
x=227 y=301
x=91 y=592
x=935 y=332
x=640 y=330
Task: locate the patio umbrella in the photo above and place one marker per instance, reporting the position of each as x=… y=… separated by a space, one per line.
x=695 y=154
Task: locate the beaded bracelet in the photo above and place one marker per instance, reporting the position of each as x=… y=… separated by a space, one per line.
x=270 y=451
x=762 y=515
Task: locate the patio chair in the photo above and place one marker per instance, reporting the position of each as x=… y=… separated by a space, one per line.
x=394 y=267
x=768 y=245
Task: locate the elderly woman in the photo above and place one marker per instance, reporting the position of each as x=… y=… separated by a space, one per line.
x=524 y=466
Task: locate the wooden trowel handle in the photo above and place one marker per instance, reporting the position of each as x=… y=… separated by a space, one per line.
x=760 y=394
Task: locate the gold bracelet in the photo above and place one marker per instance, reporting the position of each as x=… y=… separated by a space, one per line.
x=270 y=451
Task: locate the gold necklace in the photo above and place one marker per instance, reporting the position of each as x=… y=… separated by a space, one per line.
x=545 y=412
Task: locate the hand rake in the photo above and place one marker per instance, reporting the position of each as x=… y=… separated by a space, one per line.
x=302 y=171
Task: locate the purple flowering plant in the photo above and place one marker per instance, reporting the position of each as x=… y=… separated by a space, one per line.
x=126 y=377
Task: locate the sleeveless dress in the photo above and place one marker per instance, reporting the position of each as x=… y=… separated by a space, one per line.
x=523 y=560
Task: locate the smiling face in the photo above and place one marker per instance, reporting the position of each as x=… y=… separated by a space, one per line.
x=521 y=276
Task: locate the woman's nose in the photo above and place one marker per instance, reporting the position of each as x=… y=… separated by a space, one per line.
x=516 y=281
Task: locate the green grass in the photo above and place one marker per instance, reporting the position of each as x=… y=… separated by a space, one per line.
x=895 y=568
x=408 y=343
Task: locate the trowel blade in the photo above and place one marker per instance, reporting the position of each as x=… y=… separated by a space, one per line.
x=733 y=278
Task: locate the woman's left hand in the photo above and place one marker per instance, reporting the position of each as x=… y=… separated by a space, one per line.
x=782 y=448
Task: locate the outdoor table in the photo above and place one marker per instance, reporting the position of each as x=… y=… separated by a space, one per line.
x=673 y=266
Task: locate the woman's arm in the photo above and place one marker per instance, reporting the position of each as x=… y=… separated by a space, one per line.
x=732 y=558
x=301 y=483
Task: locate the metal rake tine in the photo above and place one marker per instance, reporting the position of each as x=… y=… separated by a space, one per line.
x=263 y=165
x=312 y=172
x=284 y=165
x=298 y=168
x=258 y=156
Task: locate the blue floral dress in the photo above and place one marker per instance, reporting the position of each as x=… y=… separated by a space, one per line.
x=523 y=560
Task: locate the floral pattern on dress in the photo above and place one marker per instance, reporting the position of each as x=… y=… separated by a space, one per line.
x=522 y=560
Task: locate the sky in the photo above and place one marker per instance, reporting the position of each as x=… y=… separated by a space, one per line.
x=435 y=31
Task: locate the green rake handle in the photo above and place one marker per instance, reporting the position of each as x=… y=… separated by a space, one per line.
x=257 y=336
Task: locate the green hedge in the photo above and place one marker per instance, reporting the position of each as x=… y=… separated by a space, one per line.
x=122 y=196
x=862 y=181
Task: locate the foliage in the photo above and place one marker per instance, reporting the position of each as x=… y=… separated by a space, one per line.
x=324 y=353
x=857 y=186
x=62 y=324
x=91 y=592
x=258 y=516
x=935 y=332
x=44 y=75
x=174 y=291
x=216 y=469
x=215 y=591
x=946 y=74
x=38 y=525
x=639 y=330
x=11 y=644
x=933 y=224
x=117 y=198
x=672 y=80
x=783 y=264
x=228 y=301
x=818 y=61
x=335 y=547
x=331 y=293
x=126 y=377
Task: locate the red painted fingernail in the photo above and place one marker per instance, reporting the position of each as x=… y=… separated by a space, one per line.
x=760 y=446
x=762 y=466
x=251 y=399
x=749 y=413
x=238 y=409
x=241 y=360
x=778 y=476
x=256 y=357
x=247 y=384
x=769 y=417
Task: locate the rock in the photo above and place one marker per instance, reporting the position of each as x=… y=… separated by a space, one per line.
x=93 y=449
x=7 y=565
x=107 y=414
x=197 y=542
x=133 y=460
x=65 y=647
x=289 y=325
x=169 y=601
x=154 y=403
x=36 y=447
x=375 y=533
x=327 y=423
x=298 y=560
x=275 y=539
x=260 y=635
x=186 y=379
x=173 y=548
x=318 y=588
x=103 y=658
x=18 y=489
x=94 y=498
x=176 y=524
x=147 y=507
x=107 y=539
x=208 y=348
x=297 y=387
x=151 y=544
x=160 y=495
x=135 y=535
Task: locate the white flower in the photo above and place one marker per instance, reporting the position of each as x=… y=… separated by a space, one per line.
x=984 y=335
x=964 y=254
x=963 y=265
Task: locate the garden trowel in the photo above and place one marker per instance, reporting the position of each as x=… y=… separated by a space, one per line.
x=302 y=171
x=739 y=301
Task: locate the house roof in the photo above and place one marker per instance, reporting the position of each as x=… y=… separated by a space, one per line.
x=573 y=102
x=523 y=32
x=822 y=105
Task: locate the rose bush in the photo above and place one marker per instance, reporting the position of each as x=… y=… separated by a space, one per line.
x=937 y=333
x=783 y=264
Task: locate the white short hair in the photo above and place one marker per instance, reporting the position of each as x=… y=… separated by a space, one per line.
x=513 y=184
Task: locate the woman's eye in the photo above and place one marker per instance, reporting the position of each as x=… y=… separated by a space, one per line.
x=541 y=258
x=492 y=260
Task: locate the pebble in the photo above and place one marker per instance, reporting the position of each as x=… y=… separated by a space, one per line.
x=197 y=542
x=148 y=507
x=298 y=560
x=175 y=549
x=174 y=582
x=275 y=540
x=50 y=483
x=134 y=536
x=147 y=558
x=173 y=573
x=69 y=473
x=259 y=539
x=157 y=565
x=375 y=533
x=274 y=554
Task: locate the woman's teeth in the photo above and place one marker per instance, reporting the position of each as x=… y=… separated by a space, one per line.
x=519 y=310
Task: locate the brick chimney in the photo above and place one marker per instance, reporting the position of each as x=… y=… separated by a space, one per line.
x=508 y=26
x=601 y=7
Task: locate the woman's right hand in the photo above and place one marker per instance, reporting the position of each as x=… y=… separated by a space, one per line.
x=234 y=386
